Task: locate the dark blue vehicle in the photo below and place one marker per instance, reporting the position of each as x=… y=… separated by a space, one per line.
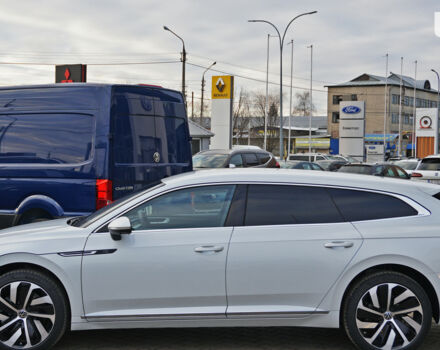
x=70 y=149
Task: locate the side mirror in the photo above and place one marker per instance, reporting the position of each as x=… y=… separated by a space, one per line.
x=232 y=166
x=118 y=227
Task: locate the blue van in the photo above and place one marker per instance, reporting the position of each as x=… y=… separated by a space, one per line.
x=70 y=149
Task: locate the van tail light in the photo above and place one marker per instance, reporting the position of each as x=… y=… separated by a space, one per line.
x=104 y=193
x=416 y=175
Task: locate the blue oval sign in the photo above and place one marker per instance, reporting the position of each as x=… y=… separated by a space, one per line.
x=351 y=109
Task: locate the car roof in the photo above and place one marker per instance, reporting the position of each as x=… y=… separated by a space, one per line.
x=231 y=151
x=271 y=175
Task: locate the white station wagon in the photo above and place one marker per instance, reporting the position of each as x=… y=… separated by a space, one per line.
x=248 y=247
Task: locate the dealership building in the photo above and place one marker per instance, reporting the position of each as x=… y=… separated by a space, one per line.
x=371 y=89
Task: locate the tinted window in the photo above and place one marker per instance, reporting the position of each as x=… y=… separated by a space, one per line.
x=134 y=140
x=263 y=157
x=401 y=173
x=389 y=172
x=298 y=157
x=429 y=164
x=236 y=160
x=362 y=205
x=172 y=136
x=46 y=138
x=280 y=205
x=250 y=159
x=192 y=207
x=316 y=167
x=356 y=169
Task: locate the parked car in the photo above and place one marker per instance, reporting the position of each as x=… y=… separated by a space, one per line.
x=378 y=169
x=309 y=157
x=69 y=149
x=331 y=165
x=345 y=158
x=298 y=164
x=235 y=158
x=233 y=248
x=409 y=165
x=428 y=170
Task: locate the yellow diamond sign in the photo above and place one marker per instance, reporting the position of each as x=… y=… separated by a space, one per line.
x=222 y=86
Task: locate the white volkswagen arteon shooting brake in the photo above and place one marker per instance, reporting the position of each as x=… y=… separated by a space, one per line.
x=233 y=248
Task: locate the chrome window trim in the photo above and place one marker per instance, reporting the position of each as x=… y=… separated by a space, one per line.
x=421 y=210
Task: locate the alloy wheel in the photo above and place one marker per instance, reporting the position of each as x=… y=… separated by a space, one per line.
x=389 y=316
x=27 y=314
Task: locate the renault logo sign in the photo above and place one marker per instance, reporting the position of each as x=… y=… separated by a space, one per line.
x=222 y=87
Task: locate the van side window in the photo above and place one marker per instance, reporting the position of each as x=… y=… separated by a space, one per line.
x=173 y=132
x=362 y=205
x=46 y=138
x=287 y=204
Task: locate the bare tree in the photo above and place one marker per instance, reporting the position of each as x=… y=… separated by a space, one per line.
x=302 y=104
x=241 y=114
x=273 y=120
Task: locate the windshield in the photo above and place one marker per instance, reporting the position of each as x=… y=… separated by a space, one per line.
x=406 y=164
x=209 y=160
x=84 y=221
x=429 y=164
x=357 y=169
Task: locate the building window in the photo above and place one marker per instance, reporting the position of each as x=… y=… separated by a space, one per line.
x=335 y=117
x=406 y=100
x=406 y=119
x=337 y=99
x=395 y=99
x=394 y=118
x=354 y=97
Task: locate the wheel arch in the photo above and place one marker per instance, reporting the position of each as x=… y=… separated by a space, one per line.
x=39 y=202
x=404 y=269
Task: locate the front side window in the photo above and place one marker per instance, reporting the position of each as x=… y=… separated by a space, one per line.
x=205 y=206
x=237 y=160
x=46 y=138
x=362 y=205
x=285 y=204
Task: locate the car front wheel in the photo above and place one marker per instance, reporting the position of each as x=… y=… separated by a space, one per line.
x=33 y=312
x=387 y=310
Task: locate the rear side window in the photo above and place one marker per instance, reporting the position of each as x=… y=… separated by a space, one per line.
x=361 y=205
x=46 y=138
x=173 y=133
x=429 y=164
x=263 y=157
x=285 y=204
x=250 y=159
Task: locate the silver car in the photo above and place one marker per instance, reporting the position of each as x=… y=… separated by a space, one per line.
x=251 y=247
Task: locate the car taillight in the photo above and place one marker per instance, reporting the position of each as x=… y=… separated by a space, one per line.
x=104 y=190
x=416 y=175
x=278 y=165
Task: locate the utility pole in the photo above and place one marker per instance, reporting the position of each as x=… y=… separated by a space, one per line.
x=311 y=103
x=385 y=110
x=192 y=105
x=291 y=97
x=399 y=148
x=414 y=112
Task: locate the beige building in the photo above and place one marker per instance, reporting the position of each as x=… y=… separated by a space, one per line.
x=371 y=89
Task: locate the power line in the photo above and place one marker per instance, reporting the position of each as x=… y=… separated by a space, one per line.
x=90 y=64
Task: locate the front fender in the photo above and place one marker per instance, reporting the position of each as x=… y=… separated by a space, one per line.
x=66 y=270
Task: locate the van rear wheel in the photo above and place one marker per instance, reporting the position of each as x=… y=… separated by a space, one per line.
x=34 y=215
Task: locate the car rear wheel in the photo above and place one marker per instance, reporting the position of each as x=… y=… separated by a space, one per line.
x=33 y=312
x=387 y=310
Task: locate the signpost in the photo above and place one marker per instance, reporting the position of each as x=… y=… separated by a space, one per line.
x=222 y=95
x=352 y=129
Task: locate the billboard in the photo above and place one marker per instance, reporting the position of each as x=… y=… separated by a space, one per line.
x=426 y=132
x=352 y=129
x=71 y=73
x=222 y=95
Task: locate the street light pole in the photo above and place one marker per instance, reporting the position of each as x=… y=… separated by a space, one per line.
x=311 y=103
x=281 y=39
x=385 y=110
x=438 y=103
x=203 y=90
x=183 y=59
x=290 y=107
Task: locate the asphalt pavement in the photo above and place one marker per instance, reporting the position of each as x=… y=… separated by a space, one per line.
x=285 y=338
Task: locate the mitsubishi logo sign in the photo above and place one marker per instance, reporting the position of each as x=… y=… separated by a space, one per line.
x=220 y=84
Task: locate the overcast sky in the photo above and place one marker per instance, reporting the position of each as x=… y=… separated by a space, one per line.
x=349 y=38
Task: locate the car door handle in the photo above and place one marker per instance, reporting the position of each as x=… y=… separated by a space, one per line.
x=209 y=248
x=338 y=244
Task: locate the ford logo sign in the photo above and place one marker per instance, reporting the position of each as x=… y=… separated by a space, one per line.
x=351 y=109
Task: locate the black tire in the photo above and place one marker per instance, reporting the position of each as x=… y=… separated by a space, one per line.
x=37 y=308
x=32 y=216
x=368 y=303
